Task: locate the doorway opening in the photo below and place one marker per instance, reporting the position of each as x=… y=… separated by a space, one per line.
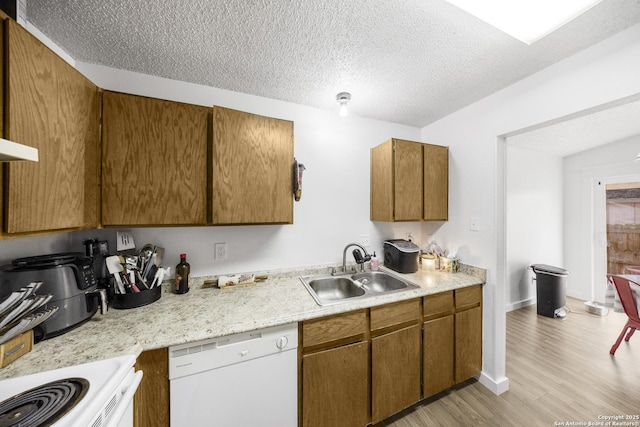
x=623 y=228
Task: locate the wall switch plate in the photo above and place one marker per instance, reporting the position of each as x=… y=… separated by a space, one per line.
x=220 y=251
x=474 y=223
x=365 y=240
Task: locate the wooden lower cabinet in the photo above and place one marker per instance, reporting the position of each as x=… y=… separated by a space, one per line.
x=395 y=372
x=362 y=367
x=335 y=387
x=151 y=401
x=438 y=355
x=468 y=332
x=438 y=363
x=468 y=335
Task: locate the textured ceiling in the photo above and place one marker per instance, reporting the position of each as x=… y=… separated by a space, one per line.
x=404 y=61
x=583 y=131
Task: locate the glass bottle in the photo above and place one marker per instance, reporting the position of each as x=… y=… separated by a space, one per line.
x=183 y=275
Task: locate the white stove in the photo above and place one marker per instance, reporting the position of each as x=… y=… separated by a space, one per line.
x=88 y=395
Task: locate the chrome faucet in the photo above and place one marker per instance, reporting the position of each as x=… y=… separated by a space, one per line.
x=360 y=261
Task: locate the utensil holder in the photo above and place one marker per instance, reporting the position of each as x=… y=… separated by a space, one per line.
x=138 y=299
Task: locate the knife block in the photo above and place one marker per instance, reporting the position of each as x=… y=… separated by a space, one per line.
x=16 y=347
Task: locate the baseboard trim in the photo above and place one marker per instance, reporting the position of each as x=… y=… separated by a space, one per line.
x=520 y=304
x=496 y=387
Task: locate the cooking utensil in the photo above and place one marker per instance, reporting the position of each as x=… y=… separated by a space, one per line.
x=157 y=277
x=155 y=263
x=145 y=272
x=144 y=256
x=115 y=268
x=159 y=256
x=152 y=273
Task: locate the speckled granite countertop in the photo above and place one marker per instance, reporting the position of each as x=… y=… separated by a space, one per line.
x=210 y=312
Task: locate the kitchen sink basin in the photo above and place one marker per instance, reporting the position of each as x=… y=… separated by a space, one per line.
x=327 y=289
x=379 y=281
x=335 y=288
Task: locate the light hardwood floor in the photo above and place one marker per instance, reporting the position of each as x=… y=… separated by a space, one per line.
x=560 y=372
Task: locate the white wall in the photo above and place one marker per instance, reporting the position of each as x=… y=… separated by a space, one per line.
x=603 y=73
x=585 y=177
x=534 y=206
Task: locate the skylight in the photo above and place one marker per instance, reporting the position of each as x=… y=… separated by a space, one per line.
x=526 y=20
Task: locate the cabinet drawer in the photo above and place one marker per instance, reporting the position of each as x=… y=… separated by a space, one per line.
x=438 y=305
x=468 y=297
x=336 y=330
x=396 y=314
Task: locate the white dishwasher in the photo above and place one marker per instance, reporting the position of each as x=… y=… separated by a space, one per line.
x=243 y=380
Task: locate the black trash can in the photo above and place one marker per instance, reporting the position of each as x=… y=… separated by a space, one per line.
x=551 y=289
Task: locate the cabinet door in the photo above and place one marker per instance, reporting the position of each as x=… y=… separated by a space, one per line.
x=151 y=401
x=52 y=107
x=395 y=372
x=154 y=166
x=468 y=332
x=438 y=355
x=381 y=187
x=252 y=168
x=335 y=387
x=408 y=180
x=436 y=182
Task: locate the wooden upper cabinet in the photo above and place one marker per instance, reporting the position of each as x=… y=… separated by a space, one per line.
x=436 y=182
x=252 y=168
x=49 y=106
x=396 y=181
x=409 y=181
x=154 y=161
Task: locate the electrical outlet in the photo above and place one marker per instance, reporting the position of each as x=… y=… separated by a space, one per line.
x=365 y=240
x=220 y=250
x=408 y=236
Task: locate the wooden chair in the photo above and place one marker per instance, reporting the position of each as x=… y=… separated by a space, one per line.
x=629 y=305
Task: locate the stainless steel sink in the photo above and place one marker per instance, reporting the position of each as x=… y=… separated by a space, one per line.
x=335 y=288
x=379 y=281
x=327 y=289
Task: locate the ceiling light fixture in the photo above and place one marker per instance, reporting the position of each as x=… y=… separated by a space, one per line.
x=343 y=98
x=528 y=21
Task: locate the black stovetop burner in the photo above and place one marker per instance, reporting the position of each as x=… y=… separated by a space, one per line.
x=43 y=405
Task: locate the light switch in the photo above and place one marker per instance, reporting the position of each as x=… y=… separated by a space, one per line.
x=474 y=223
